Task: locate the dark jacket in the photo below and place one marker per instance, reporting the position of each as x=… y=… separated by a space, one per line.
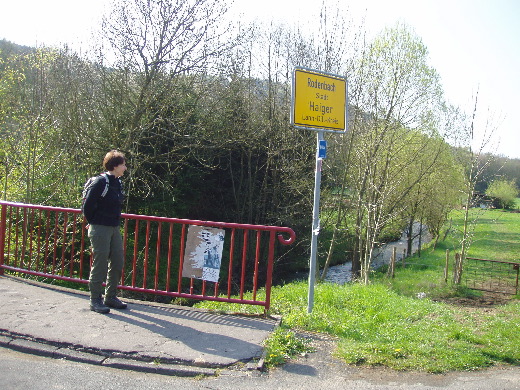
x=104 y=210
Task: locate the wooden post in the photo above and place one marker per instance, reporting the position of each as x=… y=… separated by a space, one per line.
x=447 y=265
x=391 y=267
x=456 y=278
x=392 y=261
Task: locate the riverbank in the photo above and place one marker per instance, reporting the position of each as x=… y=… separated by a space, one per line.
x=342 y=273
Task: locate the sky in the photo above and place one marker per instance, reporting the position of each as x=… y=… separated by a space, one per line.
x=473 y=44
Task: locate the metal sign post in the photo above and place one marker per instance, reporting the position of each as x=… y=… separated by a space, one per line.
x=319 y=102
x=315 y=222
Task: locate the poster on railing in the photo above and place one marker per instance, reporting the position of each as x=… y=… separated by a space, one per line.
x=203 y=253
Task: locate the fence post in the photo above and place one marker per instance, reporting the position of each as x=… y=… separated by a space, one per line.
x=447 y=266
x=394 y=256
x=391 y=268
x=3 y=228
x=456 y=270
x=517 y=268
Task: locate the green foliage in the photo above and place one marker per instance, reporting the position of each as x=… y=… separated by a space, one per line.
x=501 y=167
x=505 y=191
x=396 y=165
x=284 y=344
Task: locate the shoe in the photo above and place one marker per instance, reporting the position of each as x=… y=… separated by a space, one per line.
x=96 y=304
x=115 y=303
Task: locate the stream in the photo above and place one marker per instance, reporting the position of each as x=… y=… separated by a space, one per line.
x=341 y=273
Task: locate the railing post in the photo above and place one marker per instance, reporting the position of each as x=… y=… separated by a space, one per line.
x=270 y=266
x=3 y=218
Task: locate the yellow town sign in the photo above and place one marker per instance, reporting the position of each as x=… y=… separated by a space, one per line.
x=319 y=101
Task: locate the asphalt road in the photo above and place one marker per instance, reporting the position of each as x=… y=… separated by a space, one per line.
x=316 y=371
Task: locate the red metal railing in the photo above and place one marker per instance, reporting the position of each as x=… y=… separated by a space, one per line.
x=51 y=242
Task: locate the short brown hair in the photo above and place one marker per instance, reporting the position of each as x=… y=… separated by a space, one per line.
x=113 y=159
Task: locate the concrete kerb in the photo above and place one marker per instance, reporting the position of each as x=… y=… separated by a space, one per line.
x=43 y=349
x=114 y=359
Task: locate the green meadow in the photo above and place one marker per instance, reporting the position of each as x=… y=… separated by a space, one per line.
x=417 y=320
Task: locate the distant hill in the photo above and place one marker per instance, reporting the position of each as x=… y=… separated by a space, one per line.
x=8 y=48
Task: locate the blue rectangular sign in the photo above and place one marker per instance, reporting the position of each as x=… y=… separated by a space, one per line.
x=322 y=150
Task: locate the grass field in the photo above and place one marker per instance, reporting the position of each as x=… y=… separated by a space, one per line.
x=416 y=320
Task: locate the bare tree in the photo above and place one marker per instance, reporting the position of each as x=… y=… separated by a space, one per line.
x=475 y=167
x=396 y=88
x=157 y=47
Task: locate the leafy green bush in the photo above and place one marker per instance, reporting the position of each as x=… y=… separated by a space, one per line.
x=505 y=191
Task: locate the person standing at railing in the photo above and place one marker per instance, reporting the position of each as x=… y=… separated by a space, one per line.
x=102 y=209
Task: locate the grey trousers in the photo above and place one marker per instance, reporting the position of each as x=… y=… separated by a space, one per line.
x=107 y=266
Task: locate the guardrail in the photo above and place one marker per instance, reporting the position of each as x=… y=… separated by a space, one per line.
x=50 y=242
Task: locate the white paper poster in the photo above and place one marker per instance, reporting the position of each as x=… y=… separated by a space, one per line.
x=203 y=253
